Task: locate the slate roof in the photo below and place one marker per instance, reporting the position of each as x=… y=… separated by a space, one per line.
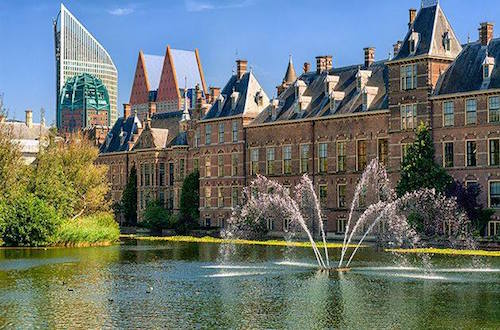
x=121 y=133
x=319 y=105
x=166 y=115
x=154 y=66
x=180 y=140
x=431 y=24
x=248 y=88
x=290 y=75
x=465 y=74
x=20 y=131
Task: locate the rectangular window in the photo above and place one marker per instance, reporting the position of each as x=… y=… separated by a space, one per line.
x=471 y=153
x=362 y=157
x=161 y=198
x=383 y=151
x=141 y=200
x=147 y=175
x=448 y=154
x=304 y=158
x=208 y=195
x=341 y=223
x=208 y=134
x=341 y=194
x=254 y=160
x=270 y=161
x=196 y=164
x=220 y=197
x=171 y=174
x=234 y=196
x=208 y=167
x=408 y=77
x=197 y=138
x=494 y=109
x=287 y=160
x=234 y=164
x=323 y=157
x=448 y=113
x=470 y=111
x=323 y=194
x=221 y=133
x=161 y=175
x=494 y=194
x=235 y=131
x=220 y=165
x=182 y=168
x=170 y=200
x=494 y=228
x=408 y=116
x=208 y=222
x=341 y=156
x=494 y=146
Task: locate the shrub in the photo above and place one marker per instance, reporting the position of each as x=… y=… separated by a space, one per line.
x=189 y=203
x=97 y=228
x=28 y=221
x=156 y=217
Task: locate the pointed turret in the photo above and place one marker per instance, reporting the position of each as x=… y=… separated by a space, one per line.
x=289 y=78
x=185 y=112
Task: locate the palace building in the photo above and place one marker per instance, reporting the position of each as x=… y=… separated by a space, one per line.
x=328 y=123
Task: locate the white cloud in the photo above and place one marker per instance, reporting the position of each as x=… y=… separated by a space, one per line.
x=121 y=11
x=201 y=5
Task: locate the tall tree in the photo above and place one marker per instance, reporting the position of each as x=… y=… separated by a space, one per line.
x=190 y=202
x=14 y=174
x=128 y=203
x=418 y=168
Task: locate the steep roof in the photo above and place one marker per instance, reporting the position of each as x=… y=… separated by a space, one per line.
x=180 y=140
x=20 y=131
x=431 y=25
x=152 y=138
x=154 y=65
x=290 y=75
x=186 y=66
x=246 y=90
x=120 y=135
x=319 y=104
x=465 y=74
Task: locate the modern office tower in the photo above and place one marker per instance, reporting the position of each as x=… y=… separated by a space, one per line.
x=78 y=52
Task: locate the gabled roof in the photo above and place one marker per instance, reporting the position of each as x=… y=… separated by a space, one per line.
x=152 y=138
x=179 y=140
x=186 y=66
x=319 y=105
x=154 y=65
x=118 y=138
x=431 y=25
x=465 y=74
x=247 y=89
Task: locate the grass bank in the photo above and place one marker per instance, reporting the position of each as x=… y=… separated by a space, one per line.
x=482 y=253
x=208 y=239
x=94 y=230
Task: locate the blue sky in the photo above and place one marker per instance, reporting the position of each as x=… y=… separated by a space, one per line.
x=262 y=31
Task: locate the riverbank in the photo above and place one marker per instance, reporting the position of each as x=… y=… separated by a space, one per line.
x=209 y=239
x=481 y=253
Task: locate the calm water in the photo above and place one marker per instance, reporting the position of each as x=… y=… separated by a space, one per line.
x=258 y=287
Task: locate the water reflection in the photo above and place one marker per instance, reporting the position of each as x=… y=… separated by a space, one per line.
x=165 y=284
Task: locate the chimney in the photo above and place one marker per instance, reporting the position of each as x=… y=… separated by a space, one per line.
x=369 y=56
x=241 y=68
x=413 y=14
x=307 y=67
x=214 y=93
x=397 y=47
x=29 y=118
x=199 y=98
x=323 y=63
x=485 y=33
x=127 y=110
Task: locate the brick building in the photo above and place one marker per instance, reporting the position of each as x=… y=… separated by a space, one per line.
x=331 y=122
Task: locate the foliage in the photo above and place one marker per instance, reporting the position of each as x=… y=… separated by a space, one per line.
x=96 y=228
x=67 y=177
x=156 y=217
x=467 y=200
x=13 y=172
x=128 y=203
x=418 y=169
x=28 y=221
x=189 y=203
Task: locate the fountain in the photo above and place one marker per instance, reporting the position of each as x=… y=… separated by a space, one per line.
x=375 y=209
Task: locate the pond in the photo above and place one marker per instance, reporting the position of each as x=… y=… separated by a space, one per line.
x=144 y=284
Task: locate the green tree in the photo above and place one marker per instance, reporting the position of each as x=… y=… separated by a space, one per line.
x=28 y=221
x=128 y=203
x=418 y=169
x=14 y=174
x=189 y=203
x=156 y=217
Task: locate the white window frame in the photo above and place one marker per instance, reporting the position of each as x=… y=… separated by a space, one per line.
x=489 y=109
x=489 y=151
x=357 y=153
x=337 y=143
x=289 y=148
x=444 y=153
x=452 y=114
x=466 y=122
x=466 y=163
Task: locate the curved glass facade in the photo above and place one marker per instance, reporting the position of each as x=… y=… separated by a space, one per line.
x=77 y=52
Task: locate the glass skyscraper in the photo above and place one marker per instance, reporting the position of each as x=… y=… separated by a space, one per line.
x=77 y=52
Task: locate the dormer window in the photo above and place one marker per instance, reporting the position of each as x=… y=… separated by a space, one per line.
x=488 y=65
x=413 y=42
x=259 y=98
x=486 y=71
x=447 y=42
x=333 y=104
